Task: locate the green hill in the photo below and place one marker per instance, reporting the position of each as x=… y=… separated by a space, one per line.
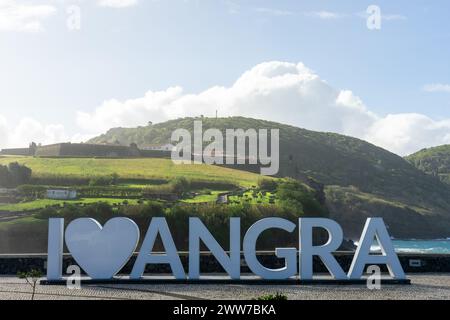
x=433 y=161
x=357 y=178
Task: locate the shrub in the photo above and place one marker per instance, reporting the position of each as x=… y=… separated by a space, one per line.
x=101 y=181
x=273 y=297
x=267 y=184
x=101 y=210
x=48 y=213
x=180 y=185
x=32 y=191
x=295 y=196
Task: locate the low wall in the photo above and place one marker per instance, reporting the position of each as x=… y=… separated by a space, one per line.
x=412 y=263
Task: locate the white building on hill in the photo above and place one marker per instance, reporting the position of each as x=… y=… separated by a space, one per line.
x=61 y=194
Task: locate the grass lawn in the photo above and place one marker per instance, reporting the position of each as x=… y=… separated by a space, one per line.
x=141 y=168
x=202 y=198
x=42 y=203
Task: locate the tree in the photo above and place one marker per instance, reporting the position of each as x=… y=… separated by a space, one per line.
x=180 y=185
x=31 y=277
x=5 y=177
x=267 y=184
x=20 y=174
x=14 y=174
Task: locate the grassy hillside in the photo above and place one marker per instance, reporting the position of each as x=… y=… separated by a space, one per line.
x=433 y=161
x=351 y=207
x=131 y=169
x=42 y=203
x=330 y=159
x=23 y=225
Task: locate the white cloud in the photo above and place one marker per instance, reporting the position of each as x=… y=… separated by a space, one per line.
x=274 y=12
x=393 y=17
x=3 y=131
x=408 y=132
x=28 y=130
x=16 y=16
x=326 y=15
x=31 y=130
x=384 y=16
x=436 y=87
x=279 y=91
x=117 y=3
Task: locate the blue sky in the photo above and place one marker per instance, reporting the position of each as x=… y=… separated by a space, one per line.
x=49 y=73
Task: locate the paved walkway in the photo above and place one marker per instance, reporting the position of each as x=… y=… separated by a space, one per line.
x=424 y=286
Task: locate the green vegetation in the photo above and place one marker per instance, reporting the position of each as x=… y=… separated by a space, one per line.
x=331 y=175
x=14 y=174
x=326 y=159
x=403 y=221
x=215 y=217
x=433 y=161
x=108 y=180
x=273 y=297
x=141 y=168
x=254 y=196
x=31 y=277
x=42 y=203
x=203 y=197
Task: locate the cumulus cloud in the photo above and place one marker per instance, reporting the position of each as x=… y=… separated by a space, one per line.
x=117 y=3
x=28 y=130
x=262 y=92
x=16 y=16
x=279 y=91
x=31 y=130
x=406 y=133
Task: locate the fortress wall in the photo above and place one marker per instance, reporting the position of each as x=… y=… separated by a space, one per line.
x=86 y=150
x=52 y=150
x=92 y=150
x=155 y=153
x=16 y=152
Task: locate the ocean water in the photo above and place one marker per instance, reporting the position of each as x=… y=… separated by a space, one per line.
x=438 y=246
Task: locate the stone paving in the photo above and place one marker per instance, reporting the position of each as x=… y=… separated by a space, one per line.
x=424 y=286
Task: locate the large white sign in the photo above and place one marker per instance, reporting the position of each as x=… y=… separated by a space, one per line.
x=103 y=251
